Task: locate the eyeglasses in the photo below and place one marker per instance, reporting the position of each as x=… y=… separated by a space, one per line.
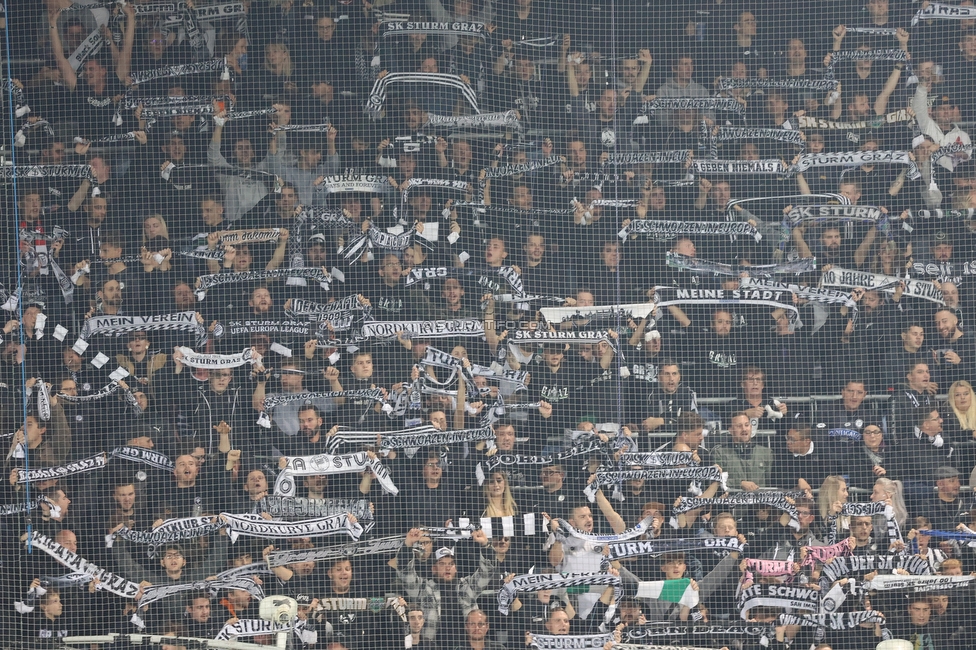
x=173 y=556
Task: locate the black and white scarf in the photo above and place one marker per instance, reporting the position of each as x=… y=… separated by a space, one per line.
x=666 y=296
x=98 y=461
x=434 y=438
x=429 y=329
x=457 y=187
x=304 y=508
x=369 y=183
x=836 y=621
x=566 y=530
x=807 y=122
x=856 y=158
x=696 y=474
x=339 y=311
x=89 y=47
x=185 y=321
x=833 y=213
x=251 y=236
x=918 y=584
x=838 y=277
x=248 y=627
x=569 y=641
x=502 y=459
x=662 y=230
x=154 y=593
x=608 y=312
x=460 y=28
x=845 y=565
x=636 y=548
x=102 y=393
x=532 y=524
x=774 y=595
x=300 y=328
x=889 y=54
x=796 y=267
x=500 y=120
x=380 y=545
x=181 y=70
x=171 y=531
x=107 y=580
x=302 y=128
x=577 y=337
x=43 y=400
x=203 y=360
x=544 y=581
x=672 y=630
x=502 y=171
x=659 y=459
x=378 y=238
x=109 y=139
x=709 y=166
x=274 y=400
x=373 y=604
x=377 y=96
x=207 y=282
x=9 y=88
x=676 y=157
x=258 y=526
x=812 y=294
x=967 y=214
x=22 y=507
x=735 y=133
x=328 y=464
x=937 y=10
x=144 y=456
x=756 y=83
x=776 y=499
x=689 y=103
x=49 y=171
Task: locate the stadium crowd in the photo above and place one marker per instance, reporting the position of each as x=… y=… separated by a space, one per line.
x=490 y=324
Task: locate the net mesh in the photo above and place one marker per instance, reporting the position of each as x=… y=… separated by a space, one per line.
x=456 y=324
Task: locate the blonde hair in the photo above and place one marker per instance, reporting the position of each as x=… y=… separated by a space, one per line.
x=162 y=222
x=894 y=490
x=829 y=492
x=968 y=419
x=508 y=507
x=285 y=65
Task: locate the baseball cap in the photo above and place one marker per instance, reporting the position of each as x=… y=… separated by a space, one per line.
x=317 y=238
x=946 y=471
x=443 y=552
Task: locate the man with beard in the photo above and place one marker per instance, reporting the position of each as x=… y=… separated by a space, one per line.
x=184 y=495
x=829 y=249
x=749 y=465
x=311 y=438
x=947 y=508
x=445 y=598
x=574 y=555
x=291 y=379
x=666 y=401
x=954 y=352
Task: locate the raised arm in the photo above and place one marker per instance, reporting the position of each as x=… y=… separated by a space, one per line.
x=68 y=75
x=124 y=64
